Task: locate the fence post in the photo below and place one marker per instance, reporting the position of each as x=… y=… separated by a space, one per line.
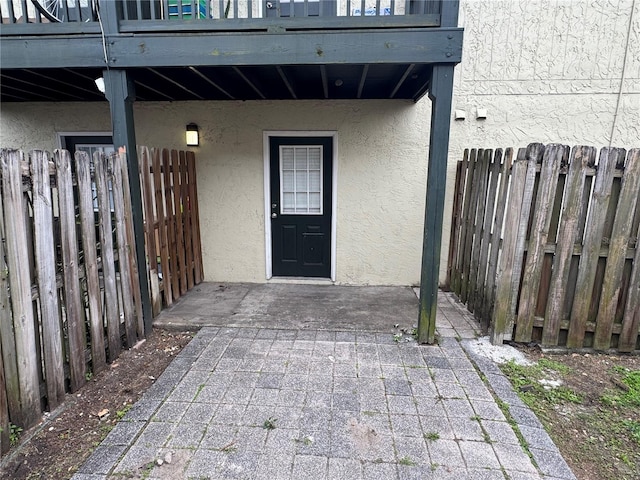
x=20 y=281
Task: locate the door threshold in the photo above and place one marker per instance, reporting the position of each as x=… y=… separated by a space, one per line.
x=302 y=280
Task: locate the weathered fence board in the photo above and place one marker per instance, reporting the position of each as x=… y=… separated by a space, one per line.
x=46 y=278
x=150 y=222
x=609 y=160
x=162 y=227
x=551 y=163
x=195 y=217
x=7 y=348
x=91 y=269
x=178 y=181
x=172 y=280
x=469 y=219
x=490 y=293
x=631 y=320
x=503 y=322
x=611 y=288
x=565 y=242
x=101 y=165
x=581 y=159
x=456 y=213
x=71 y=278
x=71 y=273
x=21 y=304
x=481 y=293
x=123 y=252
x=474 y=272
x=131 y=246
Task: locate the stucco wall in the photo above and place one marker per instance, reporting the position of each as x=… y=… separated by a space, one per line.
x=382 y=151
x=544 y=71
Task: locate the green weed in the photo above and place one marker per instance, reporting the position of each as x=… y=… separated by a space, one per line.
x=123 y=411
x=269 y=423
x=634 y=428
x=407 y=462
x=631 y=397
x=14 y=434
x=432 y=436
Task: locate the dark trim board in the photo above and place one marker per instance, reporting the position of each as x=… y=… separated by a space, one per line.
x=236 y=49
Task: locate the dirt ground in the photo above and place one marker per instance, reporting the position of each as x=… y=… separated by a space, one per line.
x=57 y=447
x=593 y=436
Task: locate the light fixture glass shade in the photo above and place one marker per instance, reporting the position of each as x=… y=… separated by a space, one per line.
x=100 y=84
x=192 y=135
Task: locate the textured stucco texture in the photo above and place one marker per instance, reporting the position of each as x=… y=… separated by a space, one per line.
x=562 y=71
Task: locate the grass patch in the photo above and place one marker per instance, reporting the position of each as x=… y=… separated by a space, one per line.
x=406 y=461
x=596 y=429
x=270 y=423
x=630 y=382
x=528 y=381
x=432 y=436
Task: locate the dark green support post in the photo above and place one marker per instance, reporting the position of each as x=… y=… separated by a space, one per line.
x=440 y=93
x=120 y=93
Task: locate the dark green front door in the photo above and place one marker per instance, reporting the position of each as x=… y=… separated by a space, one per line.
x=300 y=174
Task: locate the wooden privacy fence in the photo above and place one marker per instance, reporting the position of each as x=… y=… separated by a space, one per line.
x=172 y=225
x=69 y=290
x=545 y=247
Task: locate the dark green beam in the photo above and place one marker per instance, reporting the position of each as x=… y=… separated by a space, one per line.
x=120 y=93
x=236 y=49
x=440 y=94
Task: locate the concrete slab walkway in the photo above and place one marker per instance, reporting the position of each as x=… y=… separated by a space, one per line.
x=241 y=402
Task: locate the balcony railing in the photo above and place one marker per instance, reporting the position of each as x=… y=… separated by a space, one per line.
x=86 y=11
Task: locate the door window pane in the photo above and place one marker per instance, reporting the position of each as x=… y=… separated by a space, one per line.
x=301 y=179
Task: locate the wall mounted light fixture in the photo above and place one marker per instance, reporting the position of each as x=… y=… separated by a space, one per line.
x=100 y=84
x=193 y=139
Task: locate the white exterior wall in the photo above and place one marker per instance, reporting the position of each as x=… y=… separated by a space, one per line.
x=545 y=71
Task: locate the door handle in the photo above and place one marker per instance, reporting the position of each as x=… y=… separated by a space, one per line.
x=274 y=215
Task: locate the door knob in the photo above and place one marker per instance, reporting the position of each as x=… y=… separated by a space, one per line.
x=274 y=215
